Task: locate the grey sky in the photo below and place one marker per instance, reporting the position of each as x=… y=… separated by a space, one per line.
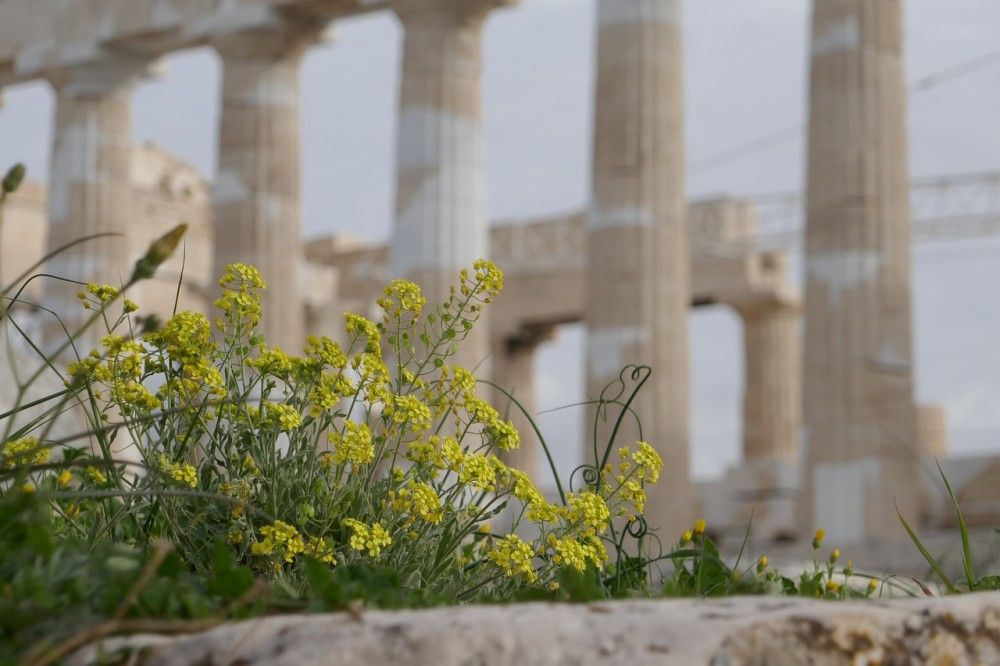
x=746 y=73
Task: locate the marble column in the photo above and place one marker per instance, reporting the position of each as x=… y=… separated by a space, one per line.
x=514 y=371
x=90 y=187
x=772 y=393
x=256 y=197
x=860 y=426
x=638 y=276
x=441 y=224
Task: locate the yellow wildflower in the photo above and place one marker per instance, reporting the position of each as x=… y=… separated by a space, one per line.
x=282 y=416
x=402 y=296
x=409 y=409
x=590 y=509
x=478 y=471
x=372 y=538
x=273 y=362
x=818 y=538
x=362 y=327
x=451 y=453
x=488 y=276
x=572 y=553
x=699 y=527
x=648 y=461
x=96 y=475
x=419 y=499
x=280 y=538
x=240 y=300
x=24 y=451
x=321 y=550
x=181 y=472
x=425 y=452
x=354 y=445
x=514 y=556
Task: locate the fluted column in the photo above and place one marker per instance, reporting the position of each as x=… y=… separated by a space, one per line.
x=441 y=223
x=514 y=371
x=638 y=290
x=860 y=439
x=256 y=196
x=772 y=395
x=90 y=186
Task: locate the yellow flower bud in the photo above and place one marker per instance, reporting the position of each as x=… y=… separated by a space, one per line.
x=13 y=179
x=158 y=252
x=818 y=538
x=699 y=526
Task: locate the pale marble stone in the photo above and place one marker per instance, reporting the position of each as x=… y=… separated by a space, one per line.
x=740 y=631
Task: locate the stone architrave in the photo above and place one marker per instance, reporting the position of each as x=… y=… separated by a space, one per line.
x=441 y=224
x=256 y=195
x=860 y=425
x=638 y=273
x=90 y=190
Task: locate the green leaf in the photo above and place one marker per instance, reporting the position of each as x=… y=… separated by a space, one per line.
x=963 y=530
x=228 y=579
x=935 y=566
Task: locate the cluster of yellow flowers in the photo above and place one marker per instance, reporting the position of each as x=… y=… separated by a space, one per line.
x=273 y=362
x=409 y=409
x=280 y=539
x=453 y=480
x=418 y=499
x=372 y=538
x=486 y=278
x=240 y=300
x=186 y=342
x=514 y=556
x=359 y=326
x=588 y=509
x=281 y=416
x=96 y=296
x=354 y=445
x=577 y=554
x=402 y=296
x=119 y=368
x=182 y=472
x=501 y=433
x=24 y=451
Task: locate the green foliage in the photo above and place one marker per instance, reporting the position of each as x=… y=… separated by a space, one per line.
x=221 y=477
x=972 y=583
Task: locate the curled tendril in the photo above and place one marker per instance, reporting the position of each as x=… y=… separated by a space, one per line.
x=588 y=473
x=638 y=528
x=613 y=392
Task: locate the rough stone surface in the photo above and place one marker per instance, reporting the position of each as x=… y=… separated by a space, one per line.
x=725 y=632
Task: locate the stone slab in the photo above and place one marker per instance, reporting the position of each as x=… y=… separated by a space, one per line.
x=724 y=632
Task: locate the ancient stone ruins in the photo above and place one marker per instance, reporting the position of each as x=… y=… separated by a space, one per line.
x=831 y=434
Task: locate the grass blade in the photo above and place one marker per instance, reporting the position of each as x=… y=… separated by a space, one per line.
x=963 y=530
x=927 y=556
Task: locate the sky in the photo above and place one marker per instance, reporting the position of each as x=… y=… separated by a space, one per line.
x=745 y=76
